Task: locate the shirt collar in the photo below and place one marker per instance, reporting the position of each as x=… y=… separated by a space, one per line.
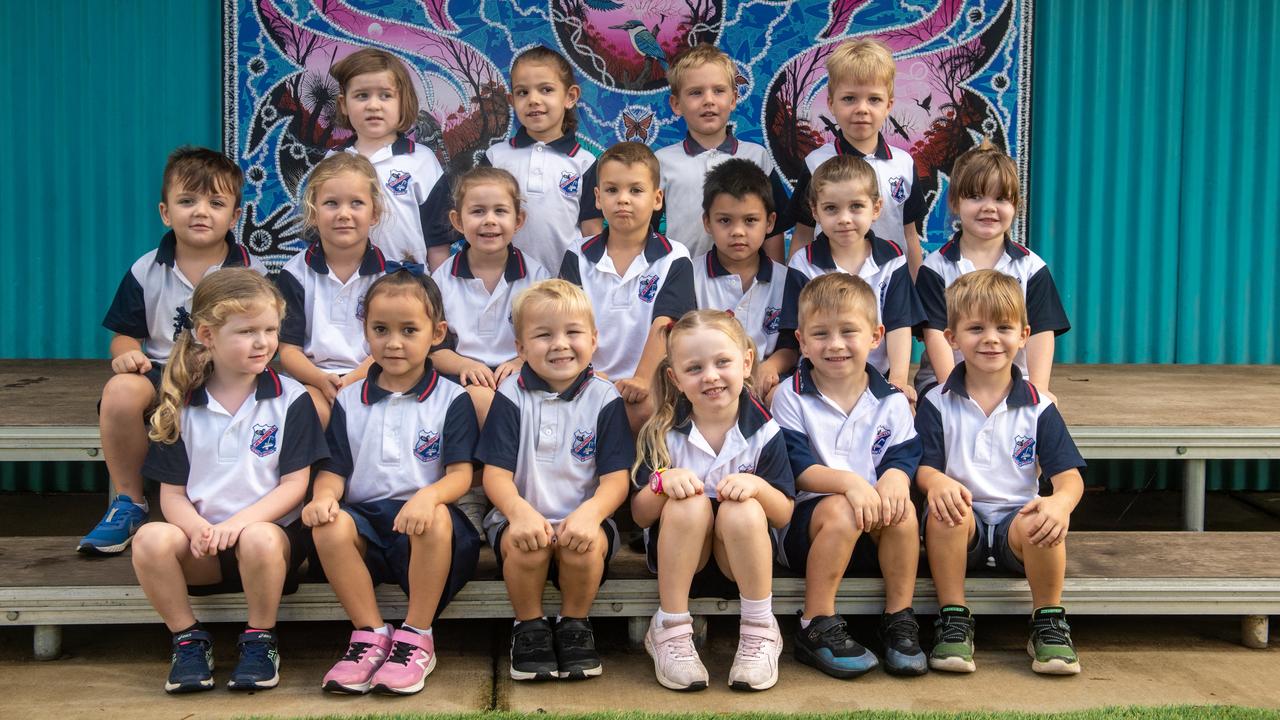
x=803 y=382
x=715 y=268
x=655 y=248
x=515 y=270
x=269 y=387
x=1022 y=394
x=951 y=250
x=530 y=380
x=372 y=263
x=371 y=392
x=752 y=415
x=167 y=253
x=882 y=250
x=565 y=144
x=693 y=148
x=401 y=146
x=818 y=252
x=882 y=151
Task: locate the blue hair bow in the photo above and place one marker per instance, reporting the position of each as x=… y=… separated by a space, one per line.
x=413 y=268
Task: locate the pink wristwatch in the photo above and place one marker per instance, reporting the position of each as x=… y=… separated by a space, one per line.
x=655 y=481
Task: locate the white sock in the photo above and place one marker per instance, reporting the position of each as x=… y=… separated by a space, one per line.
x=804 y=622
x=145 y=508
x=383 y=630
x=410 y=628
x=757 y=612
x=664 y=619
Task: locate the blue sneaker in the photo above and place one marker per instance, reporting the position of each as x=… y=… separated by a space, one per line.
x=259 y=666
x=826 y=645
x=191 y=668
x=115 y=529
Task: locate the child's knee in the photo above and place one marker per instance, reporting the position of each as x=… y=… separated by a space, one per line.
x=340 y=532
x=261 y=542
x=482 y=399
x=127 y=394
x=689 y=514
x=157 y=540
x=834 y=514
x=440 y=530
x=746 y=516
x=569 y=558
x=523 y=559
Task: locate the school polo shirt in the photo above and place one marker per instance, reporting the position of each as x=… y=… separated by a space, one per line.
x=1044 y=306
x=885 y=270
x=231 y=460
x=323 y=315
x=557 y=445
x=995 y=457
x=684 y=172
x=152 y=302
x=551 y=177
x=482 y=320
x=754 y=445
x=415 y=200
x=659 y=283
x=391 y=445
x=761 y=308
x=903 y=198
x=878 y=435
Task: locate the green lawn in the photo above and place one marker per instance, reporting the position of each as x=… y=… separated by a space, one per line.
x=1115 y=713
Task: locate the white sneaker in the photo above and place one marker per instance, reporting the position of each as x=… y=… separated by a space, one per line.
x=675 y=660
x=755 y=665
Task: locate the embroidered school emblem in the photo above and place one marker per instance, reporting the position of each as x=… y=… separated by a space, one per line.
x=569 y=183
x=428 y=446
x=880 y=440
x=898 y=188
x=772 y=316
x=648 y=288
x=181 y=320
x=398 y=182
x=1024 y=450
x=584 y=445
x=264 y=440
x=747 y=468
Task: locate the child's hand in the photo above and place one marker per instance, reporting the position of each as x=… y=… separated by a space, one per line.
x=200 y=541
x=895 y=499
x=579 y=531
x=633 y=389
x=224 y=535
x=133 y=361
x=768 y=381
x=738 y=487
x=530 y=531
x=1048 y=520
x=866 y=503
x=330 y=386
x=476 y=373
x=320 y=511
x=507 y=368
x=415 y=516
x=910 y=391
x=678 y=483
x=949 y=501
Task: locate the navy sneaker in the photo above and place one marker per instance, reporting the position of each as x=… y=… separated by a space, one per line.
x=826 y=645
x=900 y=639
x=259 y=666
x=191 y=667
x=115 y=529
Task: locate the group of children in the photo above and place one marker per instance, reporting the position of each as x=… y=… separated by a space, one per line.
x=751 y=411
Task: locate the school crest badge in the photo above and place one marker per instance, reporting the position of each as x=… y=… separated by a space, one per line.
x=880 y=440
x=1024 y=451
x=265 y=439
x=569 y=183
x=584 y=445
x=648 y=288
x=398 y=182
x=427 y=448
x=772 y=316
x=898 y=188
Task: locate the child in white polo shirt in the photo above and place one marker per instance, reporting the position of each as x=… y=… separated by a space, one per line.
x=987 y=435
x=322 y=341
x=556 y=450
x=232 y=444
x=853 y=451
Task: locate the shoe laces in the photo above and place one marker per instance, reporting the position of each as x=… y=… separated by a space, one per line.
x=528 y=640
x=577 y=637
x=902 y=628
x=401 y=652
x=954 y=629
x=837 y=635
x=356 y=651
x=681 y=648
x=191 y=651
x=255 y=650
x=1052 y=630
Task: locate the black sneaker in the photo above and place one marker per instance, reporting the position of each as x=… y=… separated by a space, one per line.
x=576 y=649
x=900 y=639
x=533 y=654
x=826 y=645
x=259 y=666
x=191 y=667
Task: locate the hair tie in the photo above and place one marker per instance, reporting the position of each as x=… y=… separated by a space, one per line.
x=670 y=324
x=413 y=268
x=729 y=313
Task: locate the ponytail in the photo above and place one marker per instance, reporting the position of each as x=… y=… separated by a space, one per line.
x=189 y=365
x=651 y=444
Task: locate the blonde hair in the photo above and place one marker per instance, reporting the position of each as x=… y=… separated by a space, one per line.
x=864 y=61
x=844 y=168
x=651 y=445
x=564 y=298
x=984 y=170
x=484 y=175
x=988 y=295
x=221 y=294
x=840 y=293
x=373 y=60
x=330 y=168
x=697 y=56
x=633 y=153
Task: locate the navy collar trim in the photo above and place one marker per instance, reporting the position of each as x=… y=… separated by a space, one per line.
x=655 y=248
x=752 y=415
x=167 y=252
x=818 y=252
x=372 y=263
x=371 y=392
x=515 y=269
x=268 y=388
x=951 y=250
x=803 y=384
x=715 y=268
x=882 y=250
x=530 y=380
x=1022 y=394
x=565 y=144
x=693 y=148
x=882 y=151
x=401 y=146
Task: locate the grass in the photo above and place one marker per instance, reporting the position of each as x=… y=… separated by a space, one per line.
x=1181 y=712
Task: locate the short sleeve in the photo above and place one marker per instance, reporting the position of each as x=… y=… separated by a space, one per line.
x=304 y=442
x=293 y=329
x=915 y=208
x=902 y=306
x=790 y=320
x=1044 y=306
x=774 y=467
x=1055 y=449
x=781 y=201
x=932 y=292
x=905 y=453
x=676 y=297
x=127 y=314
x=587 y=209
x=500 y=440
x=933 y=448
x=798 y=210
x=569 y=268
x=340 y=462
x=787 y=413
x=167 y=463
x=461 y=431
x=434 y=215
x=615 y=450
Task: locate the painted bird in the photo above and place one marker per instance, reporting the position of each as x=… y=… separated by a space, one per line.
x=644 y=42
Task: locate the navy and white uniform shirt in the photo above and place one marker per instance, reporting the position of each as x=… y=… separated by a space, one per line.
x=766 y=310
x=1044 y=306
x=659 y=283
x=755 y=445
x=684 y=172
x=481 y=319
x=390 y=445
x=325 y=316
x=878 y=435
x=995 y=457
x=153 y=301
x=231 y=460
x=552 y=178
x=885 y=270
x=902 y=196
x=416 y=199
x=556 y=444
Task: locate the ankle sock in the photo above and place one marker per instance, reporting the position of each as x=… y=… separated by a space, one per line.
x=412 y=629
x=757 y=612
x=664 y=619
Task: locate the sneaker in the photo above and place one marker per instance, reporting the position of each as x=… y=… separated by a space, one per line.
x=900 y=640
x=191 y=667
x=953 y=640
x=533 y=653
x=826 y=645
x=675 y=660
x=755 y=664
x=114 y=531
x=576 y=649
x=259 y=666
x=366 y=652
x=411 y=660
x=1050 y=647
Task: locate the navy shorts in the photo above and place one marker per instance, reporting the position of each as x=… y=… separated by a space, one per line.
x=299 y=547
x=989 y=548
x=710 y=581
x=387 y=551
x=795 y=544
x=609 y=527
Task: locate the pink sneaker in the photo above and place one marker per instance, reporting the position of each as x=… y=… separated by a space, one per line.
x=365 y=654
x=411 y=660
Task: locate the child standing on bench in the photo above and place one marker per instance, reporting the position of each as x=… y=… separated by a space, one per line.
x=232 y=444
x=987 y=434
x=200 y=203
